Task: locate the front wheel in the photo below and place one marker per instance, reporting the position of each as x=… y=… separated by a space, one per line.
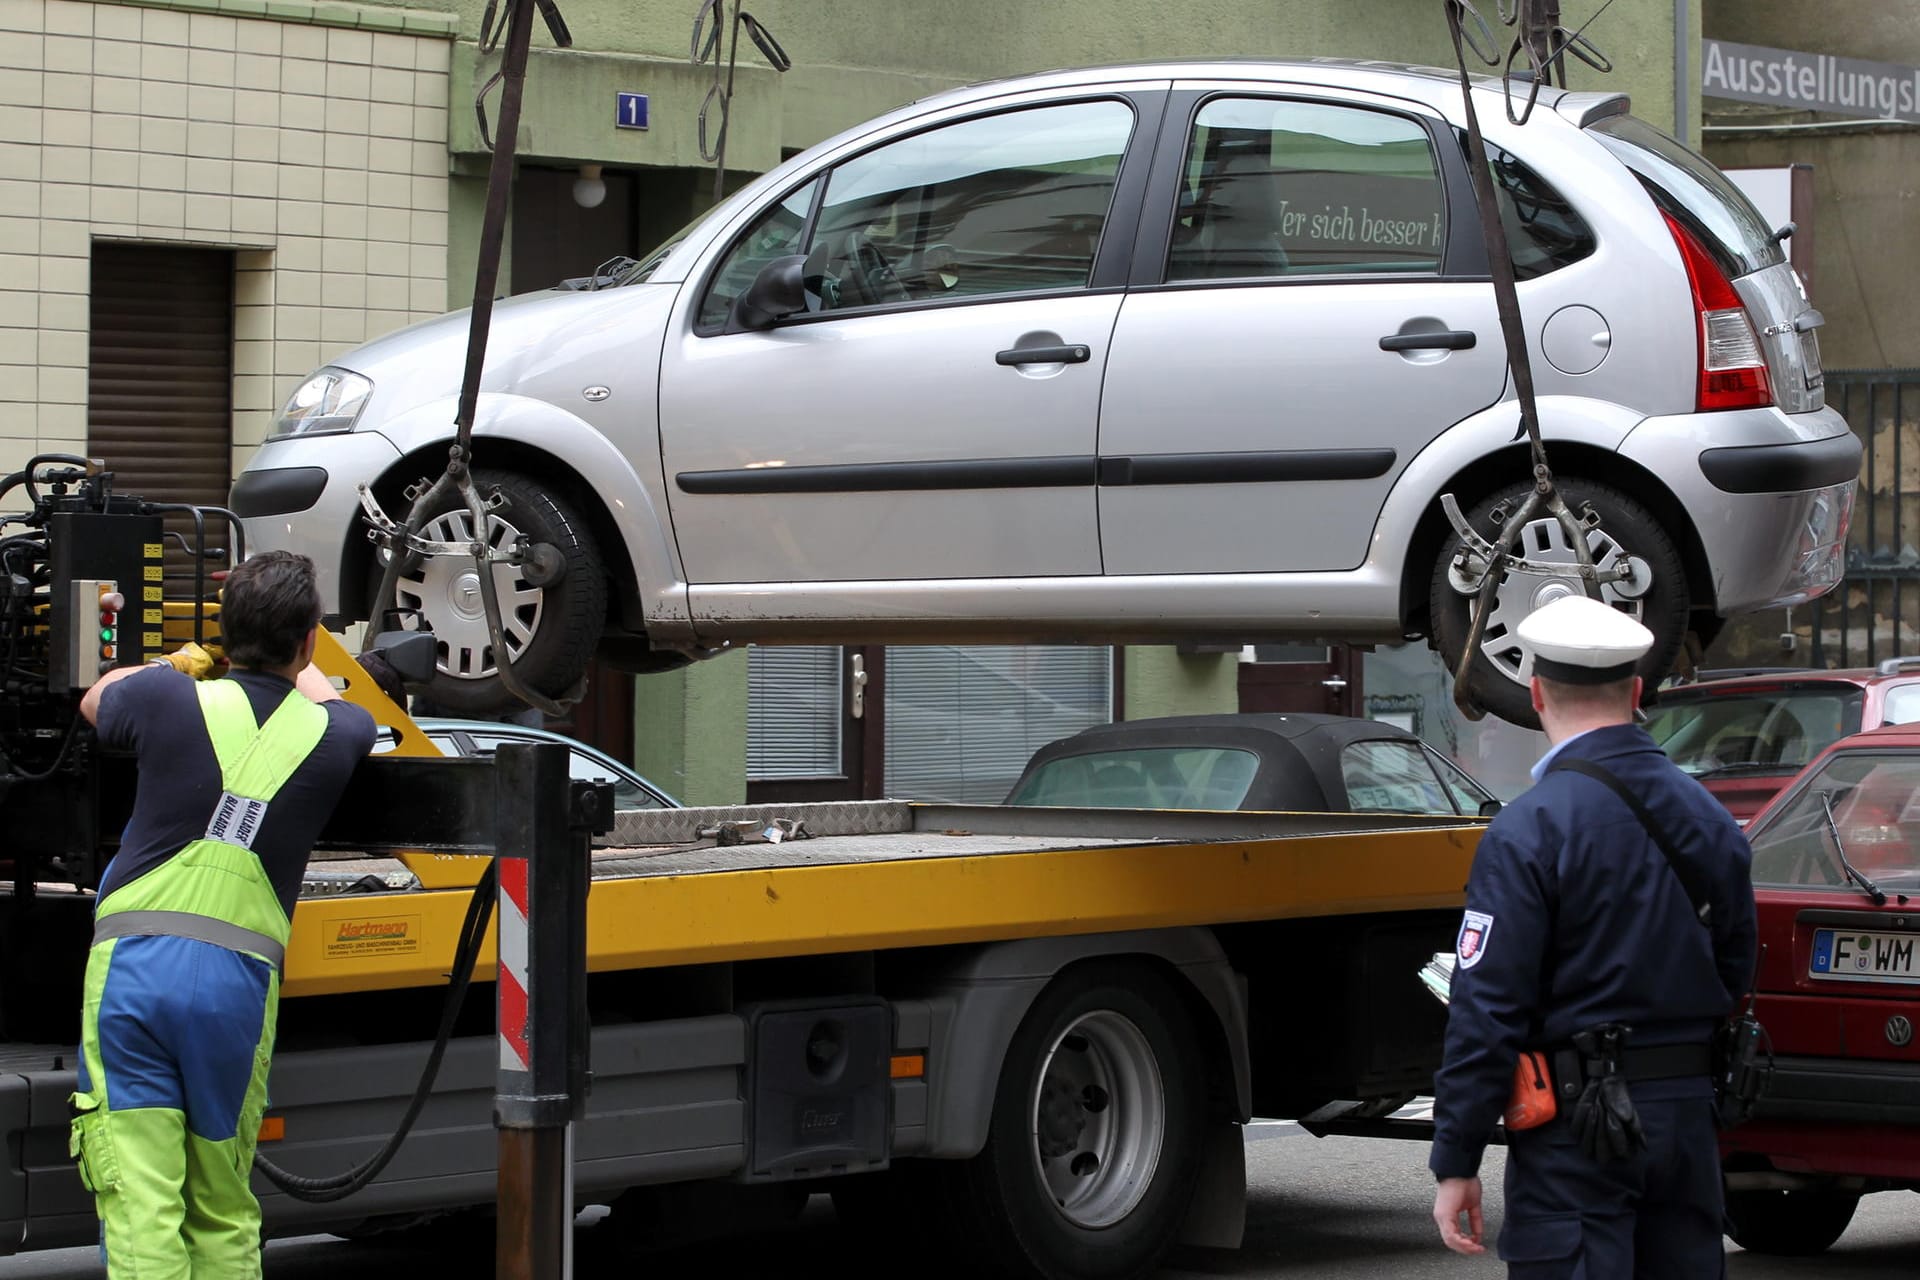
x=1502 y=669
x=1095 y=1138
x=1794 y=1224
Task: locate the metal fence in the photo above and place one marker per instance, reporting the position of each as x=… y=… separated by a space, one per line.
x=1875 y=613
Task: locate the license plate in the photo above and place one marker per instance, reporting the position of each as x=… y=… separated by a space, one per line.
x=1849 y=956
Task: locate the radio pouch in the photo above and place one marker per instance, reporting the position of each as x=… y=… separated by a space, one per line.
x=1532 y=1102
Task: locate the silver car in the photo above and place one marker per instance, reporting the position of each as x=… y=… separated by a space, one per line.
x=1129 y=354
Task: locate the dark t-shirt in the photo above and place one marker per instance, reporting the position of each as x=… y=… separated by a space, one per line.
x=156 y=715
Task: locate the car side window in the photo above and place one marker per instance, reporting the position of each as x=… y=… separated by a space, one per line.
x=775 y=235
x=1391 y=777
x=1902 y=705
x=1544 y=232
x=1467 y=795
x=1278 y=188
x=1008 y=203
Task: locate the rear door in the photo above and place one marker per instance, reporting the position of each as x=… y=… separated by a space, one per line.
x=1306 y=317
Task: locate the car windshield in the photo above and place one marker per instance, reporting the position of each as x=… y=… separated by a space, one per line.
x=1757 y=731
x=1688 y=186
x=1147 y=778
x=1875 y=796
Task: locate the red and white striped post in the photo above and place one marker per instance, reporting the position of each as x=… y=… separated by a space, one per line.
x=545 y=824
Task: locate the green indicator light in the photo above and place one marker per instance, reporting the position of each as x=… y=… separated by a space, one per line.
x=106 y=633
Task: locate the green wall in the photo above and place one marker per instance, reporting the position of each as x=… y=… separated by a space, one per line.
x=1159 y=680
x=690 y=730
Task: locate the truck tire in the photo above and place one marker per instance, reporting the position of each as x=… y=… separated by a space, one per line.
x=1095 y=1137
x=1498 y=677
x=551 y=630
x=1794 y=1224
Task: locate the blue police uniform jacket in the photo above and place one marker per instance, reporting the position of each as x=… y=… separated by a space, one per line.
x=1574 y=918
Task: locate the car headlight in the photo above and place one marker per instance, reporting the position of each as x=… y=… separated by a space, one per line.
x=331 y=400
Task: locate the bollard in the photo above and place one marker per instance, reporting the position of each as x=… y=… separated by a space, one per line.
x=545 y=823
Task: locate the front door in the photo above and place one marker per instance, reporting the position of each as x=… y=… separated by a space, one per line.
x=1299 y=344
x=1323 y=679
x=933 y=415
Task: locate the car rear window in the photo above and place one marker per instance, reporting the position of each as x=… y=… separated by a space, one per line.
x=1688 y=186
x=1146 y=778
x=1761 y=731
x=1875 y=797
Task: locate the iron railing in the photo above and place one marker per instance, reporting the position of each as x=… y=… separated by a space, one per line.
x=1874 y=614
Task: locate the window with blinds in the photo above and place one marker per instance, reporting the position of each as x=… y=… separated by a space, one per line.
x=794 y=712
x=962 y=720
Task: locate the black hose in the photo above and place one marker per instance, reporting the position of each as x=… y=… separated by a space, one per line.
x=473 y=929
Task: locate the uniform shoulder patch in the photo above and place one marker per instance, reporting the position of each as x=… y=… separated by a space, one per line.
x=1475 y=928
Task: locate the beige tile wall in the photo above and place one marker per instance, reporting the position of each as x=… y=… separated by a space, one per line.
x=319 y=153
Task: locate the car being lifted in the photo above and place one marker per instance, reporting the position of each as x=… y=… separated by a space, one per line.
x=1124 y=354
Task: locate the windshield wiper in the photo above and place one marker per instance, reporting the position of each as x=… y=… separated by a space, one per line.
x=1871 y=889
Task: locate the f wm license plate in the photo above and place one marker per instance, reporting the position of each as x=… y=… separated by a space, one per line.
x=1847 y=956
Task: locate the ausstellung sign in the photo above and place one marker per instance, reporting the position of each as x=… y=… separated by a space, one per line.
x=1810 y=81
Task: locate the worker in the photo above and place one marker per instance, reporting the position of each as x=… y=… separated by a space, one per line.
x=1586 y=941
x=236 y=777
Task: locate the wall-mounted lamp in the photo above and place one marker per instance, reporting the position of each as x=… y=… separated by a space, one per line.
x=589 y=189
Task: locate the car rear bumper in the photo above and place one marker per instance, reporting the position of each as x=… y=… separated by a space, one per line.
x=1843 y=1090
x=1770 y=495
x=315 y=479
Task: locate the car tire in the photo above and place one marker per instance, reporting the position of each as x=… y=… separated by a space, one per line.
x=1496 y=678
x=1794 y=1224
x=557 y=626
x=1101 y=1095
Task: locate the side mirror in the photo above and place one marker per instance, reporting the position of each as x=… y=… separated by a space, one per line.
x=412 y=654
x=1489 y=807
x=777 y=291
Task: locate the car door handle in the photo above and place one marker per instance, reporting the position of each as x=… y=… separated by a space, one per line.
x=1445 y=339
x=1073 y=354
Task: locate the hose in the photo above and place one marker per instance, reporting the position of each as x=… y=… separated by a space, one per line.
x=473 y=929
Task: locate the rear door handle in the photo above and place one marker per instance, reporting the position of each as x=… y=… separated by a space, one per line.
x=1044 y=355
x=1445 y=339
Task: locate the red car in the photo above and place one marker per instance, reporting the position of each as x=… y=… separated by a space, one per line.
x=1745 y=734
x=1836 y=873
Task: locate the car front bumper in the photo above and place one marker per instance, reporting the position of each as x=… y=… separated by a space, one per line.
x=1770 y=495
x=301 y=493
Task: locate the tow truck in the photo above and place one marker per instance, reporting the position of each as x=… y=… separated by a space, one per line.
x=1061 y=1017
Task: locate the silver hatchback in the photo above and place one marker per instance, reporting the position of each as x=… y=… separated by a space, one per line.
x=1127 y=354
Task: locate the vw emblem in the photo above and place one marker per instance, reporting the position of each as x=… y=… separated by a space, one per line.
x=1899 y=1031
x=595 y=395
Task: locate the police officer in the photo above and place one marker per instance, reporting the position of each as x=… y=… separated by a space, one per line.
x=1581 y=940
x=236 y=778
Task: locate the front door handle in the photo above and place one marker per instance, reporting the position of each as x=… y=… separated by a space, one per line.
x=1445 y=339
x=1071 y=354
x=857 y=701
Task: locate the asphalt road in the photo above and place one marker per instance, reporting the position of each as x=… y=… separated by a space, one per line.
x=1320 y=1208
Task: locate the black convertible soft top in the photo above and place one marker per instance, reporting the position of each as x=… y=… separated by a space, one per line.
x=1299 y=752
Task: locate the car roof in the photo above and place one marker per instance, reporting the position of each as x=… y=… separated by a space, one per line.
x=1796 y=677
x=1277 y=724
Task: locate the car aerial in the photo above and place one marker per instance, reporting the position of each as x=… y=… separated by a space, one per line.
x=585 y=763
x=1745 y=734
x=1836 y=872
x=1128 y=354
x=1291 y=762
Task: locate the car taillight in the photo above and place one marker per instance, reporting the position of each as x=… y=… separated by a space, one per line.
x=1733 y=369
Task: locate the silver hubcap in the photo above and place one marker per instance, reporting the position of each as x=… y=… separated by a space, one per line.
x=1522 y=593
x=1098 y=1119
x=446 y=590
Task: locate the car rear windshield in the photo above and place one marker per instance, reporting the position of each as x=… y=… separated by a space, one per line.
x=1147 y=778
x=1761 y=731
x=1688 y=186
x=1875 y=796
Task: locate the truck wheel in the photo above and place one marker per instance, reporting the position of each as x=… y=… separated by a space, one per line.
x=1094 y=1141
x=1793 y=1223
x=1500 y=672
x=551 y=629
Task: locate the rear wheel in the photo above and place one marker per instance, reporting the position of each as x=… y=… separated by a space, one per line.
x=1501 y=670
x=551 y=621
x=1094 y=1142
x=1792 y=1223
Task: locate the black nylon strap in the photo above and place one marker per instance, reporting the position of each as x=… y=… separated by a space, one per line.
x=1697 y=892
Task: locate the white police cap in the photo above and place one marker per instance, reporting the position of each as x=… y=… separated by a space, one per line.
x=1579 y=641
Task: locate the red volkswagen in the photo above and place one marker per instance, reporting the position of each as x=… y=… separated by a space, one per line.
x=1836 y=872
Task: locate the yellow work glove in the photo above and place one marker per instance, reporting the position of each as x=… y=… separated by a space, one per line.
x=191 y=659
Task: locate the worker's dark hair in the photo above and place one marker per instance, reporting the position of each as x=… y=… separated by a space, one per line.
x=270 y=604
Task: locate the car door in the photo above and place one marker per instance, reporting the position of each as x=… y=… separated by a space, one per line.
x=932 y=415
x=1310 y=309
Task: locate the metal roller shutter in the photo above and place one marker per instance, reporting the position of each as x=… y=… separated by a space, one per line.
x=160 y=377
